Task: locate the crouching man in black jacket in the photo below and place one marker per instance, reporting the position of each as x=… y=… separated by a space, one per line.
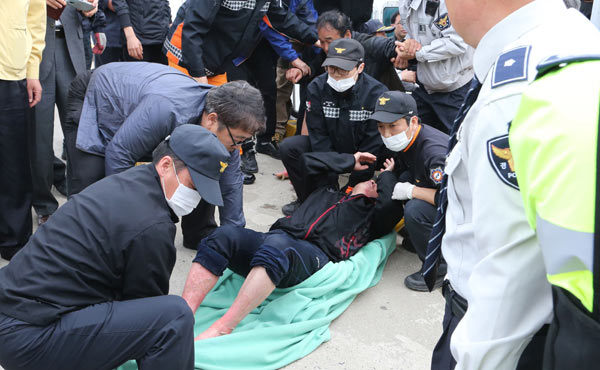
x=329 y=226
x=88 y=291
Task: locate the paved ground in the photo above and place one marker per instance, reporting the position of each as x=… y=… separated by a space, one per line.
x=386 y=327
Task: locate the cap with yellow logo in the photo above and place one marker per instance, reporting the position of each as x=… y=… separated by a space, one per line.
x=345 y=54
x=393 y=105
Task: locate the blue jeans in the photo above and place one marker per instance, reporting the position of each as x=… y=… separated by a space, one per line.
x=288 y=261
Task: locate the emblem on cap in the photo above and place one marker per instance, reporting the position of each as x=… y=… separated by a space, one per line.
x=223 y=166
x=383 y=100
x=339 y=50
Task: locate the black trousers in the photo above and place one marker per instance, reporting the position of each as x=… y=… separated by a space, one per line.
x=157 y=332
x=152 y=53
x=439 y=109
x=15 y=167
x=292 y=150
x=110 y=54
x=260 y=70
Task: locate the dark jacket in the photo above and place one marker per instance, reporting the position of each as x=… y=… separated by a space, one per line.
x=149 y=18
x=378 y=52
x=338 y=223
x=340 y=122
x=112 y=242
x=359 y=11
x=208 y=34
x=112 y=30
x=423 y=160
x=131 y=107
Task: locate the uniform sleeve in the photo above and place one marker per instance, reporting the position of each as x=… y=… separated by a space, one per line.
x=509 y=296
x=200 y=15
x=231 y=184
x=36 y=26
x=388 y=212
x=280 y=43
x=122 y=9
x=151 y=121
x=315 y=121
x=320 y=162
x=150 y=257
x=447 y=46
x=287 y=23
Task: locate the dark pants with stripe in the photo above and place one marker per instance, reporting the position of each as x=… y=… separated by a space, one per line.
x=157 y=332
x=15 y=170
x=288 y=261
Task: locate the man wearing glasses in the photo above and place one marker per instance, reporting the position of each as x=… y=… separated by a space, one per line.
x=129 y=108
x=339 y=105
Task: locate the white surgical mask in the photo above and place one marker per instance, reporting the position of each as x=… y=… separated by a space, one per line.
x=341 y=85
x=184 y=200
x=397 y=142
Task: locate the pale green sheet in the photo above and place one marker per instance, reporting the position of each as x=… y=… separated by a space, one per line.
x=292 y=322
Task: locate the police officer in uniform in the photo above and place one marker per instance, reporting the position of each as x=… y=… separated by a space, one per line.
x=557 y=168
x=494 y=260
x=88 y=291
x=338 y=110
x=416 y=153
x=444 y=60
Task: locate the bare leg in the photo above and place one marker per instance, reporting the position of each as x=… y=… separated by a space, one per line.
x=256 y=288
x=199 y=282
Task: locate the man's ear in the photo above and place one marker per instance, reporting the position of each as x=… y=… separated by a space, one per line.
x=414 y=120
x=347 y=34
x=211 y=121
x=361 y=67
x=164 y=165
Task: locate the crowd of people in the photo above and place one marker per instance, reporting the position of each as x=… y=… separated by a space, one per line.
x=433 y=117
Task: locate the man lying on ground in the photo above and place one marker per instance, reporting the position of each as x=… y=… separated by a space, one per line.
x=329 y=226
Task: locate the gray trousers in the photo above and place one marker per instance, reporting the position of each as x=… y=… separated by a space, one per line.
x=157 y=332
x=55 y=89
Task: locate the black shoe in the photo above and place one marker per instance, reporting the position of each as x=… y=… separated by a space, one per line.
x=416 y=282
x=249 y=164
x=61 y=187
x=249 y=178
x=8 y=252
x=270 y=148
x=290 y=208
x=407 y=245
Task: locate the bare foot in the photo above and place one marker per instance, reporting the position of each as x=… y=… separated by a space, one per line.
x=215 y=330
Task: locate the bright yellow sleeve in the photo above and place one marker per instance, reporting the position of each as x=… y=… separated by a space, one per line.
x=36 y=26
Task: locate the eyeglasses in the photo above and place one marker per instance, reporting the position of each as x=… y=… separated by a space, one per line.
x=332 y=70
x=235 y=143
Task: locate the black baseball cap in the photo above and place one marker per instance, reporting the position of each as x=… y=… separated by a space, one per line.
x=204 y=156
x=345 y=54
x=375 y=25
x=393 y=105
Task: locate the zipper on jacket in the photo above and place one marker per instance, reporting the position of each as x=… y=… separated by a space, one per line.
x=344 y=199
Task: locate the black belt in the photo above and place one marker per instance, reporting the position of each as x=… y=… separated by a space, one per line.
x=458 y=304
x=59 y=32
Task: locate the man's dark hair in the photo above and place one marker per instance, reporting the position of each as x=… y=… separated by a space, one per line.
x=162 y=150
x=335 y=19
x=237 y=104
x=394 y=16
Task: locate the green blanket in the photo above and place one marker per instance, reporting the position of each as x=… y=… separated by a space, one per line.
x=292 y=322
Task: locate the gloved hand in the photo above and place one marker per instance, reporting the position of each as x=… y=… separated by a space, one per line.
x=403 y=191
x=100 y=43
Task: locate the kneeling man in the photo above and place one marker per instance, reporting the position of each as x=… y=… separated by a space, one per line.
x=329 y=226
x=88 y=291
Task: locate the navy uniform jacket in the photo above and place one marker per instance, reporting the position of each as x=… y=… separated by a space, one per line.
x=341 y=122
x=112 y=242
x=423 y=159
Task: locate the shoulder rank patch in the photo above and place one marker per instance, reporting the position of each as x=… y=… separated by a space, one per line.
x=442 y=22
x=511 y=66
x=501 y=159
x=436 y=175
